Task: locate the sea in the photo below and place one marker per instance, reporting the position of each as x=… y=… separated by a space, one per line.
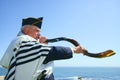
x=82 y=73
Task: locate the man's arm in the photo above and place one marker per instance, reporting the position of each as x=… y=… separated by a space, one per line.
x=58 y=53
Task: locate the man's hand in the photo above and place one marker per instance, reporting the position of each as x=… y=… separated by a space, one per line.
x=42 y=40
x=79 y=49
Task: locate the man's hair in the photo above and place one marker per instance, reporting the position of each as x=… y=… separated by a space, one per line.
x=22 y=28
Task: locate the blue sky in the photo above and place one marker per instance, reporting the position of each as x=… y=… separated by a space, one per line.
x=94 y=23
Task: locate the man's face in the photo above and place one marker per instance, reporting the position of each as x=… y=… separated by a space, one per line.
x=34 y=32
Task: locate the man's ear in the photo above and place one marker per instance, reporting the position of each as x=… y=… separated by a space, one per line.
x=25 y=30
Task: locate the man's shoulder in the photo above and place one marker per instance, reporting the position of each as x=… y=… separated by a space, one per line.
x=19 y=39
x=24 y=38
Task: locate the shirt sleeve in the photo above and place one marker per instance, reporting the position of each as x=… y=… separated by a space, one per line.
x=59 y=53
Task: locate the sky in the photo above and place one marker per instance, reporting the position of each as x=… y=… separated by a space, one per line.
x=95 y=24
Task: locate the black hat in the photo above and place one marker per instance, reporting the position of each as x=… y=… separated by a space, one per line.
x=33 y=21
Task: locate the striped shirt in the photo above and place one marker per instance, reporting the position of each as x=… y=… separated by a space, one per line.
x=26 y=58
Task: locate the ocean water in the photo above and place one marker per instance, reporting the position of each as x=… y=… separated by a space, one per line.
x=87 y=73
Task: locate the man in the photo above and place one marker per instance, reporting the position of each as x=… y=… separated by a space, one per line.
x=28 y=57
